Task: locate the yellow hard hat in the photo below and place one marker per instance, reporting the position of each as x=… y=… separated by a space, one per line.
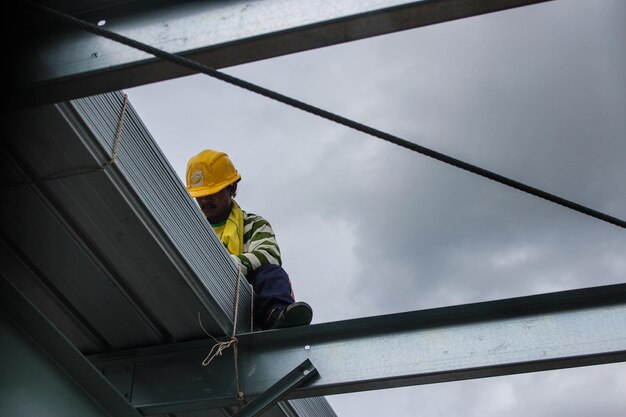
x=210 y=172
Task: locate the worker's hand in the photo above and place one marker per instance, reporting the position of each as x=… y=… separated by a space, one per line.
x=238 y=263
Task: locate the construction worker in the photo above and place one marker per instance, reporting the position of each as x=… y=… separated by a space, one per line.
x=212 y=180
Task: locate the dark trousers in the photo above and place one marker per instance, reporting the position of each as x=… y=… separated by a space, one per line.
x=272 y=288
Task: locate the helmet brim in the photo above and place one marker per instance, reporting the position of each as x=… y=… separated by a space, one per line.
x=197 y=192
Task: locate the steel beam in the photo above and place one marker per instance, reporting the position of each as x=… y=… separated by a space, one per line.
x=294 y=379
x=56 y=62
x=526 y=334
x=54 y=345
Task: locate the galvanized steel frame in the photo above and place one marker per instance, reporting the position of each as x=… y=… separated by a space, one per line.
x=65 y=63
x=525 y=334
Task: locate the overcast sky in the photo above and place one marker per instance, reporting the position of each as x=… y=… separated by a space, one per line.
x=537 y=94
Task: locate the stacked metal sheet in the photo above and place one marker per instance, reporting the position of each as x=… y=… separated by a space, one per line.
x=156 y=184
x=126 y=257
x=316 y=406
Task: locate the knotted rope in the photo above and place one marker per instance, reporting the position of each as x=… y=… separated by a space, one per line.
x=219 y=347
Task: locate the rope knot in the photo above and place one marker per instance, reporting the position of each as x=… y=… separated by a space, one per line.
x=218 y=348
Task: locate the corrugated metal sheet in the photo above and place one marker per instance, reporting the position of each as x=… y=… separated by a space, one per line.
x=124 y=247
x=315 y=406
x=158 y=187
x=119 y=257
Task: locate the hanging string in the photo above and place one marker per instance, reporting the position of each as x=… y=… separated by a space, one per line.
x=118 y=133
x=196 y=66
x=219 y=347
x=251 y=307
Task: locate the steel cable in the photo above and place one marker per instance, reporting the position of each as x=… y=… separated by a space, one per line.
x=196 y=66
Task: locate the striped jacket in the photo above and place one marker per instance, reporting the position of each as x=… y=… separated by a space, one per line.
x=259 y=247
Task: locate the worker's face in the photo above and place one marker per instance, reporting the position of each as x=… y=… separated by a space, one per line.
x=216 y=207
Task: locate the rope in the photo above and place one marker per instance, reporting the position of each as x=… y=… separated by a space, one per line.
x=219 y=347
x=118 y=132
x=251 y=307
x=83 y=171
x=182 y=61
